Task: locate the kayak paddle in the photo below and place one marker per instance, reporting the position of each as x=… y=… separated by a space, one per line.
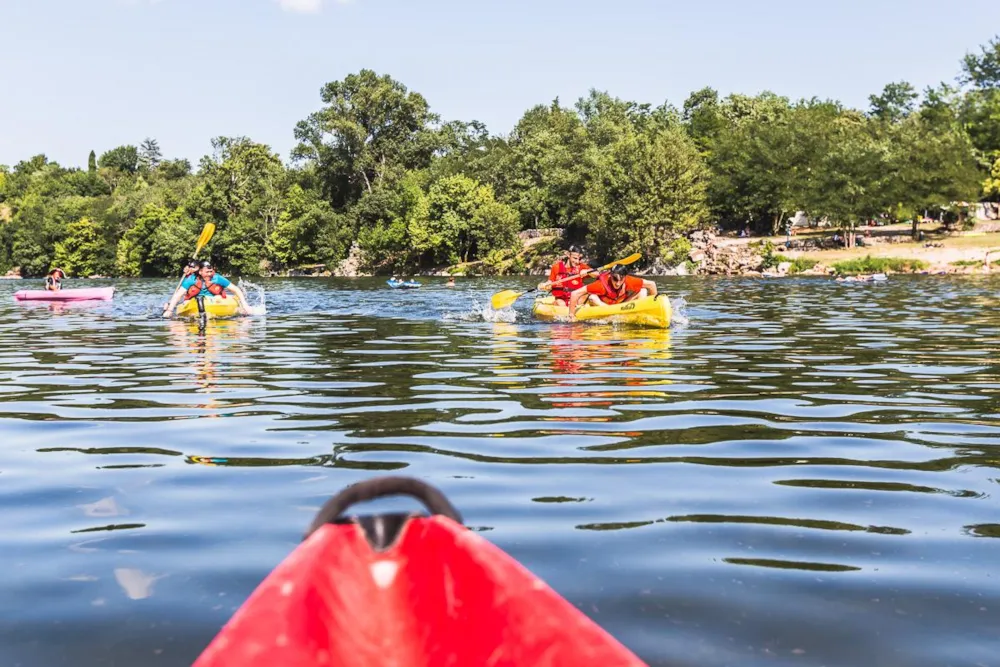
x=506 y=298
x=206 y=235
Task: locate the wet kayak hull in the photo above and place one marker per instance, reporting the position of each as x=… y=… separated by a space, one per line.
x=215 y=306
x=652 y=311
x=90 y=294
x=432 y=593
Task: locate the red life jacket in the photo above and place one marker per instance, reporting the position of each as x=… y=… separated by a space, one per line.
x=195 y=289
x=562 y=291
x=612 y=295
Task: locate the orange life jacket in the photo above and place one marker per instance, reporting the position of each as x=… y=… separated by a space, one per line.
x=612 y=295
x=563 y=290
x=195 y=289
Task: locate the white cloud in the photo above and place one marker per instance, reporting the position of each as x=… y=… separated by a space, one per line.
x=304 y=6
x=301 y=6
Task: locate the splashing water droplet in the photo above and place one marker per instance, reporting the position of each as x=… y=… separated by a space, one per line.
x=256 y=298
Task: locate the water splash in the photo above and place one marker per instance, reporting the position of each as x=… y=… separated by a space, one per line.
x=256 y=297
x=483 y=313
x=679 y=317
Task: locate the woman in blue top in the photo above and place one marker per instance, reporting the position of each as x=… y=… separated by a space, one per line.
x=202 y=283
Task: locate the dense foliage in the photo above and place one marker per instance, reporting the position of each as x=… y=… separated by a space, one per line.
x=377 y=171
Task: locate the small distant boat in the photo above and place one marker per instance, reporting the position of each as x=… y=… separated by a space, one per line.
x=403 y=284
x=89 y=294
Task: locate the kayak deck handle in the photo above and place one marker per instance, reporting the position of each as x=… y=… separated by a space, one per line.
x=381 y=487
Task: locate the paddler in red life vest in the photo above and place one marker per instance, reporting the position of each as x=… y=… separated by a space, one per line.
x=571 y=265
x=205 y=282
x=612 y=287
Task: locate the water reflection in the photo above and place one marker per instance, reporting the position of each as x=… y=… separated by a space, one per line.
x=798 y=465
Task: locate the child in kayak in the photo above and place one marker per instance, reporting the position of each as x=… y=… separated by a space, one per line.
x=570 y=266
x=612 y=287
x=53 y=281
x=203 y=283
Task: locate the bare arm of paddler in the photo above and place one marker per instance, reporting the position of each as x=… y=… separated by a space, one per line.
x=174 y=300
x=547 y=285
x=649 y=286
x=241 y=298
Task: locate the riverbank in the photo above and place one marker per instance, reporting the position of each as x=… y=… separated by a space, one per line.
x=938 y=253
x=888 y=249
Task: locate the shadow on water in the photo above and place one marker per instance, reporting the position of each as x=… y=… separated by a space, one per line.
x=803 y=472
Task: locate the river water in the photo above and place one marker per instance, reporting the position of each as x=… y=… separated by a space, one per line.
x=803 y=473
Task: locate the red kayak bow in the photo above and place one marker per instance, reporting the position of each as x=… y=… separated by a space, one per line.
x=406 y=590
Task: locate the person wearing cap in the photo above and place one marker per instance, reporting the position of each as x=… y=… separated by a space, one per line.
x=53 y=280
x=204 y=282
x=611 y=287
x=571 y=266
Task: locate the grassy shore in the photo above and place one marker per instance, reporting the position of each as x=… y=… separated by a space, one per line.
x=938 y=252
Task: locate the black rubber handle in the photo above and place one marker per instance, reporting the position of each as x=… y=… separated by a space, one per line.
x=381 y=487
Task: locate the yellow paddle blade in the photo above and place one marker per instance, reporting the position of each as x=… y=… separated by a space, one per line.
x=631 y=259
x=503 y=299
x=206 y=236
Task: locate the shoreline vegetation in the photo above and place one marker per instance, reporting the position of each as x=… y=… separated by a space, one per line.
x=380 y=184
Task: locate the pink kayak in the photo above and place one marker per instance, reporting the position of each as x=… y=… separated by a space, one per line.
x=91 y=294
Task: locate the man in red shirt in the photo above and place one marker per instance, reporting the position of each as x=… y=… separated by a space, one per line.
x=571 y=265
x=611 y=287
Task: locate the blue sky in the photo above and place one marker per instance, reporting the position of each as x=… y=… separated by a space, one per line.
x=82 y=74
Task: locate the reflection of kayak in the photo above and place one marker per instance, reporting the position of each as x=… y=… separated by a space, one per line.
x=403 y=284
x=406 y=589
x=90 y=294
x=215 y=306
x=652 y=311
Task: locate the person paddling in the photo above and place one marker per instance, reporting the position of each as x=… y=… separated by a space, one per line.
x=570 y=266
x=612 y=287
x=53 y=281
x=203 y=283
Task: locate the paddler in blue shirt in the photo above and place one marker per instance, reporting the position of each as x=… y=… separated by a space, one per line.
x=203 y=283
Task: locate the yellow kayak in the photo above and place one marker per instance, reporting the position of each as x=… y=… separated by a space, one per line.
x=651 y=311
x=215 y=306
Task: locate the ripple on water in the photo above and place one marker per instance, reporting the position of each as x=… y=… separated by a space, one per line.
x=798 y=471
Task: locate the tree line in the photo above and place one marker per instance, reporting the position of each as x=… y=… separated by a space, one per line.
x=376 y=170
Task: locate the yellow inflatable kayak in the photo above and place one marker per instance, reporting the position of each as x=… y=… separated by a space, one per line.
x=215 y=306
x=652 y=311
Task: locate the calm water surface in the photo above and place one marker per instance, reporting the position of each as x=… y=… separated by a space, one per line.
x=806 y=473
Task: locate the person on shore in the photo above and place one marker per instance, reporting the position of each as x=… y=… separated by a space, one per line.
x=53 y=280
x=612 y=287
x=571 y=266
x=204 y=283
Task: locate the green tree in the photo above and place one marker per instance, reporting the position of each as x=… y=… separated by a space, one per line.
x=980 y=106
x=935 y=163
x=645 y=189
x=991 y=186
x=895 y=103
x=123 y=158
x=243 y=187
x=92 y=162
x=149 y=155
x=307 y=231
x=371 y=131
x=541 y=170
x=703 y=118
x=463 y=222
x=133 y=253
x=82 y=251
